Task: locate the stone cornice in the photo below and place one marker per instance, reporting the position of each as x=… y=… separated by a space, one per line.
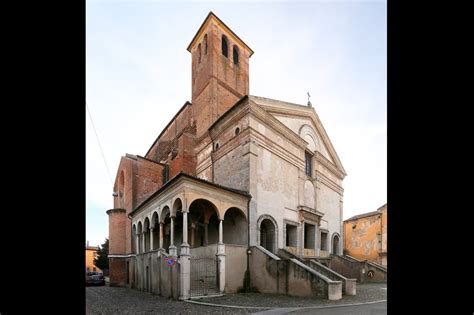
x=180 y=183
x=204 y=165
x=269 y=120
x=276 y=149
x=320 y=177
x=311 y=210
x=116 y=210
x=229 y=120
x=230 y=145
x=330 y=166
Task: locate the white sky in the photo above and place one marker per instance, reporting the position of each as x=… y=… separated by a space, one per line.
x=138 y=75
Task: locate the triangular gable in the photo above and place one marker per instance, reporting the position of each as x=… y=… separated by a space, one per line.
x=280 y=109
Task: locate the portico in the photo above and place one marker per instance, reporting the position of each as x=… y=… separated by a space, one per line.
x=186 y=214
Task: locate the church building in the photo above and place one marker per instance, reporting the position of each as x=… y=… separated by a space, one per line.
x=237 y=191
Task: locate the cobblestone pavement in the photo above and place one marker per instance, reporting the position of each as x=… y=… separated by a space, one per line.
x=113 y=300
x=365 y=293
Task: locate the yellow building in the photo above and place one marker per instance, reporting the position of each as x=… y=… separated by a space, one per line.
x=365 y=236
x=91 y=253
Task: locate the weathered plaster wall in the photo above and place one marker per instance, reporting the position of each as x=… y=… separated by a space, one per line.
x=329 y=204
x=362 y=237
x=277 y=188
x=235 y=267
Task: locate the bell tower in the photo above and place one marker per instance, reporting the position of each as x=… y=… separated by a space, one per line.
x=220 y=71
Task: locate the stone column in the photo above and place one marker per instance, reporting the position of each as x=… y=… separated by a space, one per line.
x=172 y=250
x=185 y=270
x=161 y=235
x=185 y=245
x=317 y=241
x=151 y=237
x=221 y=258
x=144 y=241
x=137 y=243
x=301 y=247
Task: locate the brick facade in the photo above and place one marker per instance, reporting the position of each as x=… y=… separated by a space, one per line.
x=218 y=83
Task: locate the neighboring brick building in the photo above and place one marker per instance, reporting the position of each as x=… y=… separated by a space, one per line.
x=239 y=173
x=91 y=253
x=365 y=236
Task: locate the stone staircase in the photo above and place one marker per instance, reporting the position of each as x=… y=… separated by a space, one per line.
x=349 y=284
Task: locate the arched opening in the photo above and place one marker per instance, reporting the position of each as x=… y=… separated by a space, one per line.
x=237 y=131
x=199 y=53
x=268 y=235
x=335 y=244
x=224 y=46
x=235 y=53
x=235 y=227
x=205 y=44
x=139 y=239
x=166 y=220
x=203 y=223
x=178 y=223
x=156 y=231
x=146 y=234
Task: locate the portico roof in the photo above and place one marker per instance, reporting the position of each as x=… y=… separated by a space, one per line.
x=183 y=175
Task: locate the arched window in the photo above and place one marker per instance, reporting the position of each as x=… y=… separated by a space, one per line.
x=199 y=53
x=236 y=55
x=237 y=131
x=224 y=46
x=205 y=44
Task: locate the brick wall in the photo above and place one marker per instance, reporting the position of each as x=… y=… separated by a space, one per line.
x=117 y=271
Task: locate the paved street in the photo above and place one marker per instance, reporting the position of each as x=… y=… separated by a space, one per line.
x=106 y=300
x=114 y=300
x=367 y=292
x=368 y=309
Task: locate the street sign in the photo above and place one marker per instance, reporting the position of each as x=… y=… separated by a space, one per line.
x=170 y=262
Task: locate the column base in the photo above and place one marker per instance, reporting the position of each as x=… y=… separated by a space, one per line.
x=173 y=251
x=220 y=255
x=220 y=249
x=185 y=276
x=184 y=249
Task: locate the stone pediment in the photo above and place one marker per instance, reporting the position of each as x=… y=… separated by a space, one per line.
x=309 y=214
x=276 y=108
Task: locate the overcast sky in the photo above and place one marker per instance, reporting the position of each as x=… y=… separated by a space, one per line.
x=138 y=75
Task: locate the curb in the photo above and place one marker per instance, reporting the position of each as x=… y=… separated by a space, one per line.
x=296 y=307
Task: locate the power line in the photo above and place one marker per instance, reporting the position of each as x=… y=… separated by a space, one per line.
x=100 y=146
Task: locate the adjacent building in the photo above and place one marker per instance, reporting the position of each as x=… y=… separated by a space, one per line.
x=91 y=253
x=365 y=236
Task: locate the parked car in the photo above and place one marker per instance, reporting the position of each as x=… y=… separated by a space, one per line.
x=94 y=278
